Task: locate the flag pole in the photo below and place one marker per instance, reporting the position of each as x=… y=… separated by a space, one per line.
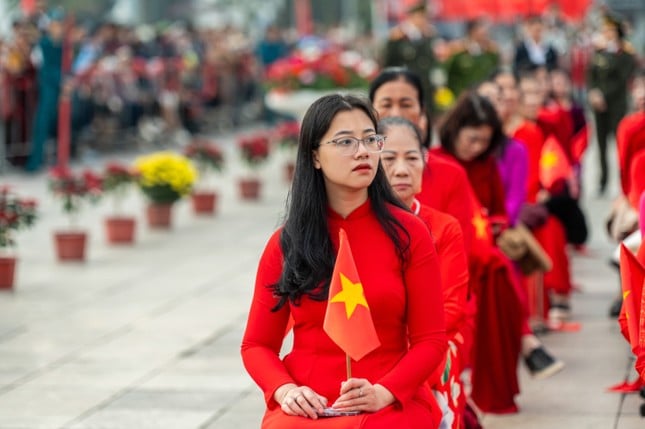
x=348 y=363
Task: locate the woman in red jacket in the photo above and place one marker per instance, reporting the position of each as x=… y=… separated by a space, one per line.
x=339 y=183
x=403 y=162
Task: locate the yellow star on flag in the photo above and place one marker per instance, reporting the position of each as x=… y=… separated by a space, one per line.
x=549 y=159
x=625 y=294
x=480 y=225
x=352 y=295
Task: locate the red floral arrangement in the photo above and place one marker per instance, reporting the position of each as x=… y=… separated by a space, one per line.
x=117 y=176
x=15 y=214
x=321 y=70
x=254 y=149
x=117 y=180
x=74 y=188
x=207 y=155
x=287 y=134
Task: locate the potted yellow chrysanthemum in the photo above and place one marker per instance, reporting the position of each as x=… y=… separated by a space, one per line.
x=164 y=178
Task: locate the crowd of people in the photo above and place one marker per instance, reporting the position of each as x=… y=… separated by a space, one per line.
x=480 y=216
x=148 y=83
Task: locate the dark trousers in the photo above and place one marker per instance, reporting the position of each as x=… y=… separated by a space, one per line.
x=606 y=124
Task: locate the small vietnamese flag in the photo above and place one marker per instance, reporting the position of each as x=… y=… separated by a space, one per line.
x=632 y=276
x=579 y=144
x=348 y=320
x=480 y=222
x=554 y=165
x=640 y=355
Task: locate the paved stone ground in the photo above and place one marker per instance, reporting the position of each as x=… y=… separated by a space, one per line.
x=148 y=336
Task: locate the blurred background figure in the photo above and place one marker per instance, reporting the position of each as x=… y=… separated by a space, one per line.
x=611 y=68
x=410 y=44
x=49 y=58
x=534 y=50
x=19 y=93
x=474 y=58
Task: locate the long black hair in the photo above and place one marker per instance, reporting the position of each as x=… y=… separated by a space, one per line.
x=308 y=252
x=394 y=74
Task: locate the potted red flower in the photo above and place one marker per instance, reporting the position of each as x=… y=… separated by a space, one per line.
x=208 y=158
x=254 y=150
x=286 y=134
x=73 y=189
x=117 y=180
x=15 y=214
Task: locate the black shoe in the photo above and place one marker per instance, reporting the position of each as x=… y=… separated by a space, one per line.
x=614 y=309
x=541 y=364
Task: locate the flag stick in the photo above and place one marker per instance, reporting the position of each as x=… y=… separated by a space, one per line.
x=348 y=362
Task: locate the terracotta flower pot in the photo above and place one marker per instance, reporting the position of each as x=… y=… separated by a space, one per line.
x=70 y=246
x=250 y=189
x=120 y=230
x=204 y=202
x=7 y=272
x=159 y=215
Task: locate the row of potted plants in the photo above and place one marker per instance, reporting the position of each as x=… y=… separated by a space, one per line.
x=163 y=177
x=16 y=214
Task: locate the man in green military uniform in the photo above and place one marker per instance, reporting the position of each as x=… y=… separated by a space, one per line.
x=473 y=60
x=612 y=66
x=410 y=44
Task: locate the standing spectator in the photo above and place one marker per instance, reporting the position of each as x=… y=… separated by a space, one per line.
x=50 y=55
x=581 y=51
x=612 y=66
x=410 y=44
x=19 y=94
x=534 y=51
x=269 y=50
x=474 y=58
x=272 y=47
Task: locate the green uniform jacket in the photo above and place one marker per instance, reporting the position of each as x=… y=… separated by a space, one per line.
x=464 y=69
x=610 y=72
x=416 y=55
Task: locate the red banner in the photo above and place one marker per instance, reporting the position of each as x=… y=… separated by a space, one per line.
x=507 y=10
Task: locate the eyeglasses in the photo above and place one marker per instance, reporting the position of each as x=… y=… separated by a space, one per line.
x=348 y=146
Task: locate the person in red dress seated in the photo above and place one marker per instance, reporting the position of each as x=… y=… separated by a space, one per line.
x=549 y=231
x=339 y=183
x=471 y=134
x=403 y=161
x=397 y=91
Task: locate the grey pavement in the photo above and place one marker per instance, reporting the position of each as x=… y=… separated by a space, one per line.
x=147 y=336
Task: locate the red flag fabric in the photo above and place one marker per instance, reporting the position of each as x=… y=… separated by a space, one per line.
x=632 y=276
x=641 y=212
x=554 y=165
x=640 y=356
x=637 y=183
x=579 y=144
x=348 y=320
